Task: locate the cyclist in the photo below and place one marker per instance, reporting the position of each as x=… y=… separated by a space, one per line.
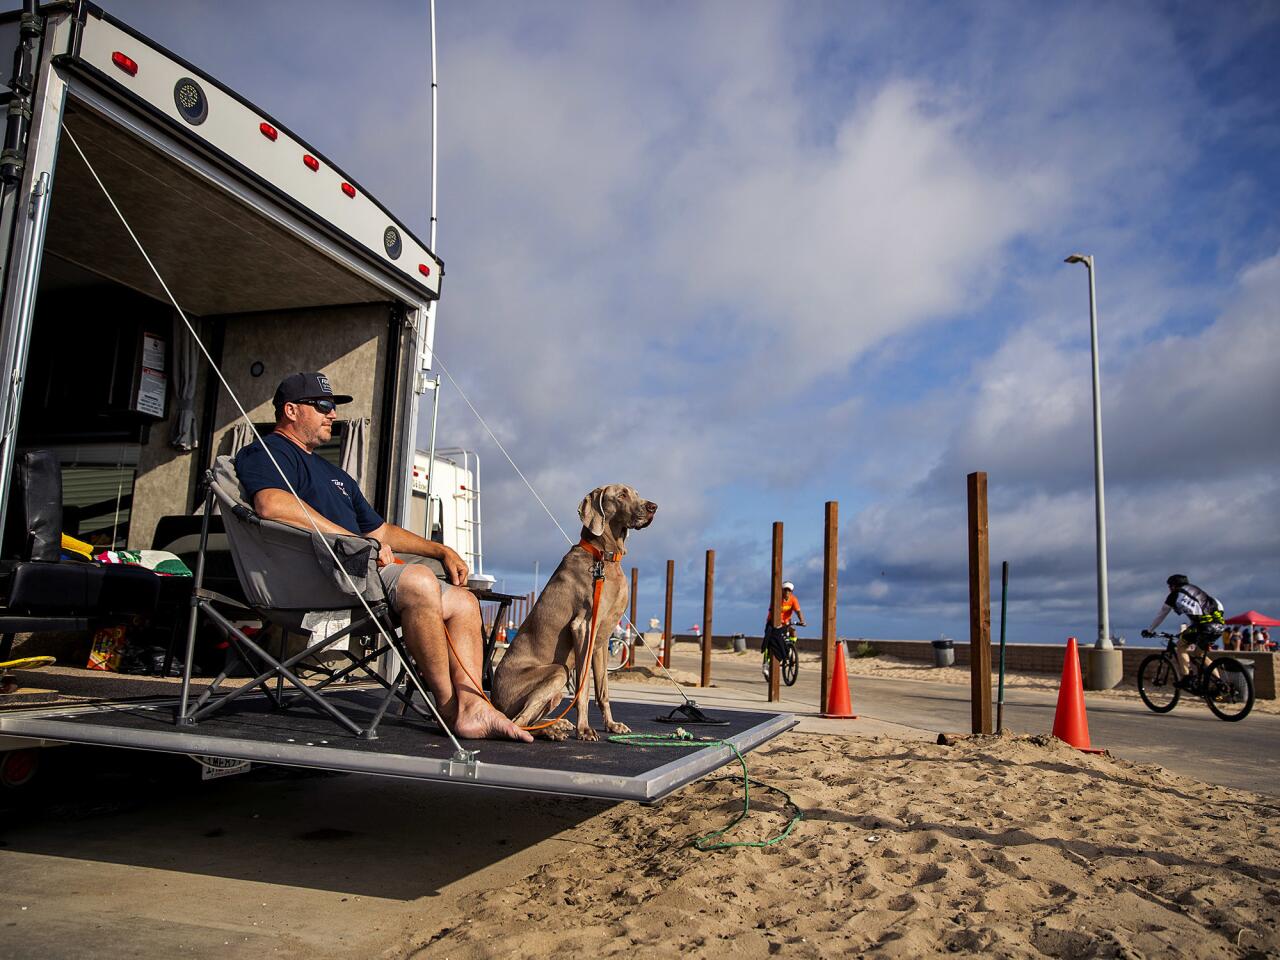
x=1204 y=621
x=790 y=608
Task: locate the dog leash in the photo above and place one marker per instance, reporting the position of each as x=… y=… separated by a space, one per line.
x=712 y=841
x=597 y=577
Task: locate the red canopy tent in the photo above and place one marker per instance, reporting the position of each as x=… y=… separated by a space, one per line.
x=1256 y=619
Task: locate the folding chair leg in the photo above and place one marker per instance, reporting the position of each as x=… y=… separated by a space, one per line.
x=183 y=717
x=371 y=731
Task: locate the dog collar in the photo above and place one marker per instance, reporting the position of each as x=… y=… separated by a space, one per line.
x=599 y=555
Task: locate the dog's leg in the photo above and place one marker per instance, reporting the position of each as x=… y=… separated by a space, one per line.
x=582 y=628
x=543 y=697
x=600 y=673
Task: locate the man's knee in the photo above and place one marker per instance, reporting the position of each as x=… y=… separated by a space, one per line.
x=458 y=602
x=417 y=587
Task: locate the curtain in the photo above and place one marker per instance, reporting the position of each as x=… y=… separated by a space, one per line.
x=355 y=449
x=186 y=360
x=241 y=436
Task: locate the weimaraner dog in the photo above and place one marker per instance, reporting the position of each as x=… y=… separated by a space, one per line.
x=529 y=682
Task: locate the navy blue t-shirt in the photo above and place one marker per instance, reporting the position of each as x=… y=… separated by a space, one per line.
x=327 y=489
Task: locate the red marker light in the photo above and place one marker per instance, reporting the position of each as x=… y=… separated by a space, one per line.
x=349 y=190
x=424 y=270
x=312 y=163
x=268 y=131
x=126 y=64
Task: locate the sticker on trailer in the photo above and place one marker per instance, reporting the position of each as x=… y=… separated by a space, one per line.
x=212 y=768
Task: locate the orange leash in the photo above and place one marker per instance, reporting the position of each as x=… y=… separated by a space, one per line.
x=582 y=673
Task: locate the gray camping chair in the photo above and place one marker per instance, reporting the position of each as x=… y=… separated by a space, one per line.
x=289 y=579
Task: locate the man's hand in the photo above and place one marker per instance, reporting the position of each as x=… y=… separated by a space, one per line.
x=1147 y=633
x=386 y=555
x=803 y=624
x=455 y=567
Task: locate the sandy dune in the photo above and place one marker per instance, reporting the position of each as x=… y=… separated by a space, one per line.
x=1010 y=847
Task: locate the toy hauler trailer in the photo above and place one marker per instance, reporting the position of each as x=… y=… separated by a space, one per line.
x=283 y=262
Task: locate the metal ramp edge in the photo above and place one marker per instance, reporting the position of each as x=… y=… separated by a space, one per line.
x=58 y=724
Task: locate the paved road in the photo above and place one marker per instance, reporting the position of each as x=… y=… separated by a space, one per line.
x=1189 y=741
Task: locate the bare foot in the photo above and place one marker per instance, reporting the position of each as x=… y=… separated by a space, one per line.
x=483 y=722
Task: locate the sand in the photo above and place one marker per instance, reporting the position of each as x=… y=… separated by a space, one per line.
x=999 y=845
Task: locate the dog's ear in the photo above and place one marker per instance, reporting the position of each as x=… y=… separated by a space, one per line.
x=591 y=510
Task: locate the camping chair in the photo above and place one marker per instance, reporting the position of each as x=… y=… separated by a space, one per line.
x=289 y=580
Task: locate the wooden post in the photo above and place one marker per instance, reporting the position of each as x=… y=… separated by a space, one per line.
x=666 y=625
x=830 y=577
x=979 y=605
x=635 y=583
x=708 y=613
x=775 y=605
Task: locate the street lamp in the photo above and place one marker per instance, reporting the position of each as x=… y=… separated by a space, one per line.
x=1104 y=664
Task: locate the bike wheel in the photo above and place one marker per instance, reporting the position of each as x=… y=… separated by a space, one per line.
x=790 y=666
x=617 y=654
x=1228 y=689
x=1156 y=679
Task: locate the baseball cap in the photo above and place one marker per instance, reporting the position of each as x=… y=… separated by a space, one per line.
x=306 y=386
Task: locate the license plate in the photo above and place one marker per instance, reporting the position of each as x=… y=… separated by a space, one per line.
x=211 y=768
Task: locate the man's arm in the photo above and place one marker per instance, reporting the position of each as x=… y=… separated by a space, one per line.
x=284 y=507
x=401 y=540
x=1164 y=612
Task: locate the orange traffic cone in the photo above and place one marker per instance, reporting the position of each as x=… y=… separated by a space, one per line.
x=839 y=707
x=1070 y=723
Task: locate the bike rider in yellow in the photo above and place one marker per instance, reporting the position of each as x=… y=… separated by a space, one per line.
x=1204 y=621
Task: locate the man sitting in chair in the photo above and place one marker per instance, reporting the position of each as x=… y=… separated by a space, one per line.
x=305 y=408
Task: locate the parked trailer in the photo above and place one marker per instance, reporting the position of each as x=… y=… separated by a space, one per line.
x=283 y=261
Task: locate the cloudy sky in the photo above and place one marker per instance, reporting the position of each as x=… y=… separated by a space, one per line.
x=750 y=257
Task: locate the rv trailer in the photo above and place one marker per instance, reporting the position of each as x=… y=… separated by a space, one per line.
x=281 y=261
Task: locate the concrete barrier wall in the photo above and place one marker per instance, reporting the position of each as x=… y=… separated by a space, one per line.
x=1044 y=658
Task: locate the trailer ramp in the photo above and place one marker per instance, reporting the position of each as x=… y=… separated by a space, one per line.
x=253 y=729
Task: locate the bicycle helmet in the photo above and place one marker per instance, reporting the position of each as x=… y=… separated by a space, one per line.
x=788 y=585
x=1178 y=580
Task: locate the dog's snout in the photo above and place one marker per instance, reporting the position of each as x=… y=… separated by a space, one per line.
x=650 y=506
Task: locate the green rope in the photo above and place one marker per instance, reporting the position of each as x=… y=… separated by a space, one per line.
x=682 y=738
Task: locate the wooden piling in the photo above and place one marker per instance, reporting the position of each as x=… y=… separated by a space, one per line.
x=708 y=614
x=775 y=607
x=666 y=624
x=979 y=605
x=830 y=576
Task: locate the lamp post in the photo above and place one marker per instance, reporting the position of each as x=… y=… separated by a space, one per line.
x=1106 y=662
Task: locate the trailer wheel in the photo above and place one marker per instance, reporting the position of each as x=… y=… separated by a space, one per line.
x=18 y=768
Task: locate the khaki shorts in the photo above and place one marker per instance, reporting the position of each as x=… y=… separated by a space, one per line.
x=391 y=573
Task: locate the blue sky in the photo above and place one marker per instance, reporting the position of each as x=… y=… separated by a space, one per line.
x=749 y=257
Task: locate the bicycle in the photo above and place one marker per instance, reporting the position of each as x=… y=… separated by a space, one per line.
x=1225 y=684
x=620 y=647
x=781 y=643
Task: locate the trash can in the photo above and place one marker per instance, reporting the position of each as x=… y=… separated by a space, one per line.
x=739 y=643
x=1237 y=680
x=944 y=653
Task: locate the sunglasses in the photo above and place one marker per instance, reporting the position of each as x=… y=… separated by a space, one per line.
x=323 y=406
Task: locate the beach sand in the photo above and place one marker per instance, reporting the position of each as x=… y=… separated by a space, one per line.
x=1015 y=847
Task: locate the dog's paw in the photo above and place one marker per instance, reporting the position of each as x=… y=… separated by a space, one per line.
x=616 y=727
x=559 y=730
x=586 y=733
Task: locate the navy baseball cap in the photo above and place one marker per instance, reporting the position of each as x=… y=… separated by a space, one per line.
x=306 y=386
